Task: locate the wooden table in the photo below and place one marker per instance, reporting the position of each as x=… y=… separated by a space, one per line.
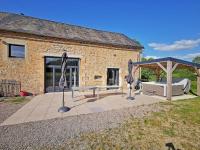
x=94 y=89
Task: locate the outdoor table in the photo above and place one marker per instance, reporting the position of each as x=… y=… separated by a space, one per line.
x=94 y=88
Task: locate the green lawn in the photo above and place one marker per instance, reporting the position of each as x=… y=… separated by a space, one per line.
x=180 y=125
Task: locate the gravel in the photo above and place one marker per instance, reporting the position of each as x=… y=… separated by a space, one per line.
x=55 y=132
x=7 y=109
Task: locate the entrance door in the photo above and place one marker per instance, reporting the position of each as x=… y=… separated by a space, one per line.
x=112 y=76
x=53 y=73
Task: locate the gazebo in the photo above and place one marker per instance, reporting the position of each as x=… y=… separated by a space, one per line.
x=168 y=65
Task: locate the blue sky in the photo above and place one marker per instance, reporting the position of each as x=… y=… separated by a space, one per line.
x=164 y=27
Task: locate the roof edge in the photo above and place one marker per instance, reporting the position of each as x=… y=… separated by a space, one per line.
x=78 y=41
x=168 y=59
x=79 y=26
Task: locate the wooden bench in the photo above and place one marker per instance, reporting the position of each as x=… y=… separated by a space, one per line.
x=9 y=88
x=94 y=89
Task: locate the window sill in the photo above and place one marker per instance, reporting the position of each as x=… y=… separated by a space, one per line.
x=16 y=58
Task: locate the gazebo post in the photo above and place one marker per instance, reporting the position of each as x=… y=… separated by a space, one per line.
x=169 y=80
x=198 y=82
x=198 y=85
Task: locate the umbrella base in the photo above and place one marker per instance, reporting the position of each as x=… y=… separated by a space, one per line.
x=63 y=109
x=130 y=98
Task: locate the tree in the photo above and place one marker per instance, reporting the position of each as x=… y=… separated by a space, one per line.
x=146 y=73
x=196 y=59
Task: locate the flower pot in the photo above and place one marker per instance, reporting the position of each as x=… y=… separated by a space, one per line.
x=23 y=93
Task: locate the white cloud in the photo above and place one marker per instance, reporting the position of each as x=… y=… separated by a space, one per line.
x=154 y=57
x=188 y=56
x=176 y=45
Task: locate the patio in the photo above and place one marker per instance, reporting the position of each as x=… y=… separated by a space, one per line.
x=44 y=107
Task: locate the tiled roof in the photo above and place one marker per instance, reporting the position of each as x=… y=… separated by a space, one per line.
x=41 y=27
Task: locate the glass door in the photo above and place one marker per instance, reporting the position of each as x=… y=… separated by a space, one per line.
x=113 y=76
x=74 y=78
x=53 y=74
x=56 y=78
x=68 y=78
x=49 y=79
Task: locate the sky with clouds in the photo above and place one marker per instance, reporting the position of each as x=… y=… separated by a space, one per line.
x=164 y=27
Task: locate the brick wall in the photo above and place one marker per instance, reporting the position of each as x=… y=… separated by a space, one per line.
x=94 y=60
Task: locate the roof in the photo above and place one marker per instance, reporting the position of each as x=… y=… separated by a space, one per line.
x=41 y=27
x=174 y=60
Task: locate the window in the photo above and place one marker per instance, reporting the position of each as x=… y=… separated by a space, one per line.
x=113 y=76
x=17 y=51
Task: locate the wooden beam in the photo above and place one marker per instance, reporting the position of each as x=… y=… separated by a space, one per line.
x=198 y=85
x=174 y=67
x=161 y=66
x=169 y=80
x=198 y=82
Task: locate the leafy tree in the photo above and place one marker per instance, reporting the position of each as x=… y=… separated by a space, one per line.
x=147 y=74
x=196 y=59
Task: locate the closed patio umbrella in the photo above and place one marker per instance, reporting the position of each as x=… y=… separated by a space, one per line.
x=129 y=79
x=63 y=81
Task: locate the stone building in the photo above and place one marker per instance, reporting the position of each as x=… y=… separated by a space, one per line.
x=30 y=51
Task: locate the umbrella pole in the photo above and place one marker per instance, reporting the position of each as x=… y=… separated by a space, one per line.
x=63 y=102
x=130 y=79
x=129 y=96
x=63 y=108
x=63 y=82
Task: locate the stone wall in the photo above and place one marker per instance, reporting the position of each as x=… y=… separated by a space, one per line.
x=94 y=60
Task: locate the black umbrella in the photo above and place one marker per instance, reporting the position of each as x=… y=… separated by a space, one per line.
x=130 y=79
x=63 y=81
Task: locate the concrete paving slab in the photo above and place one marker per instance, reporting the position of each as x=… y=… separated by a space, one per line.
x=45 y=106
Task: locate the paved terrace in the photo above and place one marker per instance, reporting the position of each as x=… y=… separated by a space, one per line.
x=45 y=106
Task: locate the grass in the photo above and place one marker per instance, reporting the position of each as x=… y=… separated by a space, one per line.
x=194 y=86
x=179 y=126
x=16 y=100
